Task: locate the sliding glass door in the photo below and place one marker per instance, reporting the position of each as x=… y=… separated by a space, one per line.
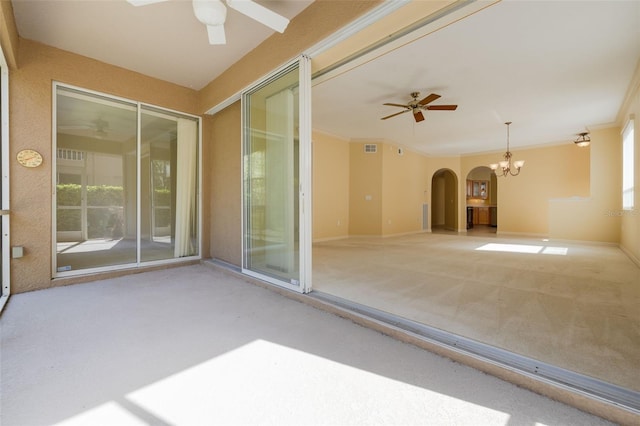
x=277 y=178
x=119 y=169
x=168 y=161
x=5 y=288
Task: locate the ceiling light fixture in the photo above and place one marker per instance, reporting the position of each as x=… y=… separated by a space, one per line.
x=505 y=164
x=583 y=139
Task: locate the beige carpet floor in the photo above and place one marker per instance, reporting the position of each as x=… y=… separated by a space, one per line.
x=572 y=305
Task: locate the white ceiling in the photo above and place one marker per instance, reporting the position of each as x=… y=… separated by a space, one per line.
x=162 y=40
x=553 y=68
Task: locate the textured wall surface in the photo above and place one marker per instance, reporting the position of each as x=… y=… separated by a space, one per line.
x=31 y=115
x=225 y=161
x=318 y=21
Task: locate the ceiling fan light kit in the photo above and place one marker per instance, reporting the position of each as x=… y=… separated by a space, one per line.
x=505 y=165
x=417 y=107
x=583 y=139
x=213 y=14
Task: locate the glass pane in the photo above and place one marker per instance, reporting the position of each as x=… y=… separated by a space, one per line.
x=95 y=181
x=271 y=179
x=168 y=179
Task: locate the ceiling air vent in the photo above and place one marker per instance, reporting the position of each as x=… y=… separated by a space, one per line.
x=370 y=148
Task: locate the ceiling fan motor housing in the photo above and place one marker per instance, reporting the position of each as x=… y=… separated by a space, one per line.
x=210 y=12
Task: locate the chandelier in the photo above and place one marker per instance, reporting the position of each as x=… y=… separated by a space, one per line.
x=505 y=165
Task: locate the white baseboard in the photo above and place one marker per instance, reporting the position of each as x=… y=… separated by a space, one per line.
x=630 y=255
x=321 y=240
x=520 y=234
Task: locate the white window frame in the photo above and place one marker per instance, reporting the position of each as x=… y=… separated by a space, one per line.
x=628 y=166
x=5 y=292
x=54 y=147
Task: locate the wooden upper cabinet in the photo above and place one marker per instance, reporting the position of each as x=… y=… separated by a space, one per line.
x=478 y=189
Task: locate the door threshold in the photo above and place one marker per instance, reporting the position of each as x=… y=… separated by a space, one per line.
x=589 y=394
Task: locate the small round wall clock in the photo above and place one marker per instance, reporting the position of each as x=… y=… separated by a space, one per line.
x=29 y=158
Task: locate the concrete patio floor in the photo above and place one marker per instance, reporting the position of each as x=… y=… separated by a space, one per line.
x=192 y=345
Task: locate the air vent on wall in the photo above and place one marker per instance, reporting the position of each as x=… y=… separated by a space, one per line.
x=370 y=148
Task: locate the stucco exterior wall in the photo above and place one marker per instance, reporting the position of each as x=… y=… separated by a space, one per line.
x=31 y=115
x=8 y=34
x=224 y=164
x=317 y=22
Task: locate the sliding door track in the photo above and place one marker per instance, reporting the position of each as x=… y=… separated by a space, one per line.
x=588 y=386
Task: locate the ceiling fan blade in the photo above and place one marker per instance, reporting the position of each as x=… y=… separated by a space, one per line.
x=216 y=34
x=260 y=13
x=393 y=115
x=432 y=97
x=418 y=116
x=144 y=2
x=398 y=105
x=442 y=107
x=213 y=14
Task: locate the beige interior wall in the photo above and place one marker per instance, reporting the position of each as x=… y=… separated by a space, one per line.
x=330 y=187
x=225 y=179
x=630 y=220
x=551 y=172
x=30 y=108
x=365 y=190
x=594 y=218
x=404 y=188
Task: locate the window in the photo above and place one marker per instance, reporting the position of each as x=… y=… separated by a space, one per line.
x=628 y=167
x=126 y=183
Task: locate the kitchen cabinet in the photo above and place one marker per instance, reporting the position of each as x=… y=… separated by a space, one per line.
x=481 y=216
x=477 y=189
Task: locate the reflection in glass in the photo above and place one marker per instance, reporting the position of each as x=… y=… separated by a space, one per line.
x=95 y=181
x=168 y=224
x=98 y=169
x=271 y=179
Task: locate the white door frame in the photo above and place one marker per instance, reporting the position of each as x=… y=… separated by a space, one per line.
x=4 y=202
x=304 y=176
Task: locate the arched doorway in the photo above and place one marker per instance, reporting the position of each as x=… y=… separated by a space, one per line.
x=444 y=201
x=482 y=200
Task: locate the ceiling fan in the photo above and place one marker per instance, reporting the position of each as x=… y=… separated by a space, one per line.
x=97 y=128
x=416 y=106
x=213 y=14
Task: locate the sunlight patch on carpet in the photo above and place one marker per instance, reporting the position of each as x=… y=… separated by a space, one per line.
x=524 y=248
